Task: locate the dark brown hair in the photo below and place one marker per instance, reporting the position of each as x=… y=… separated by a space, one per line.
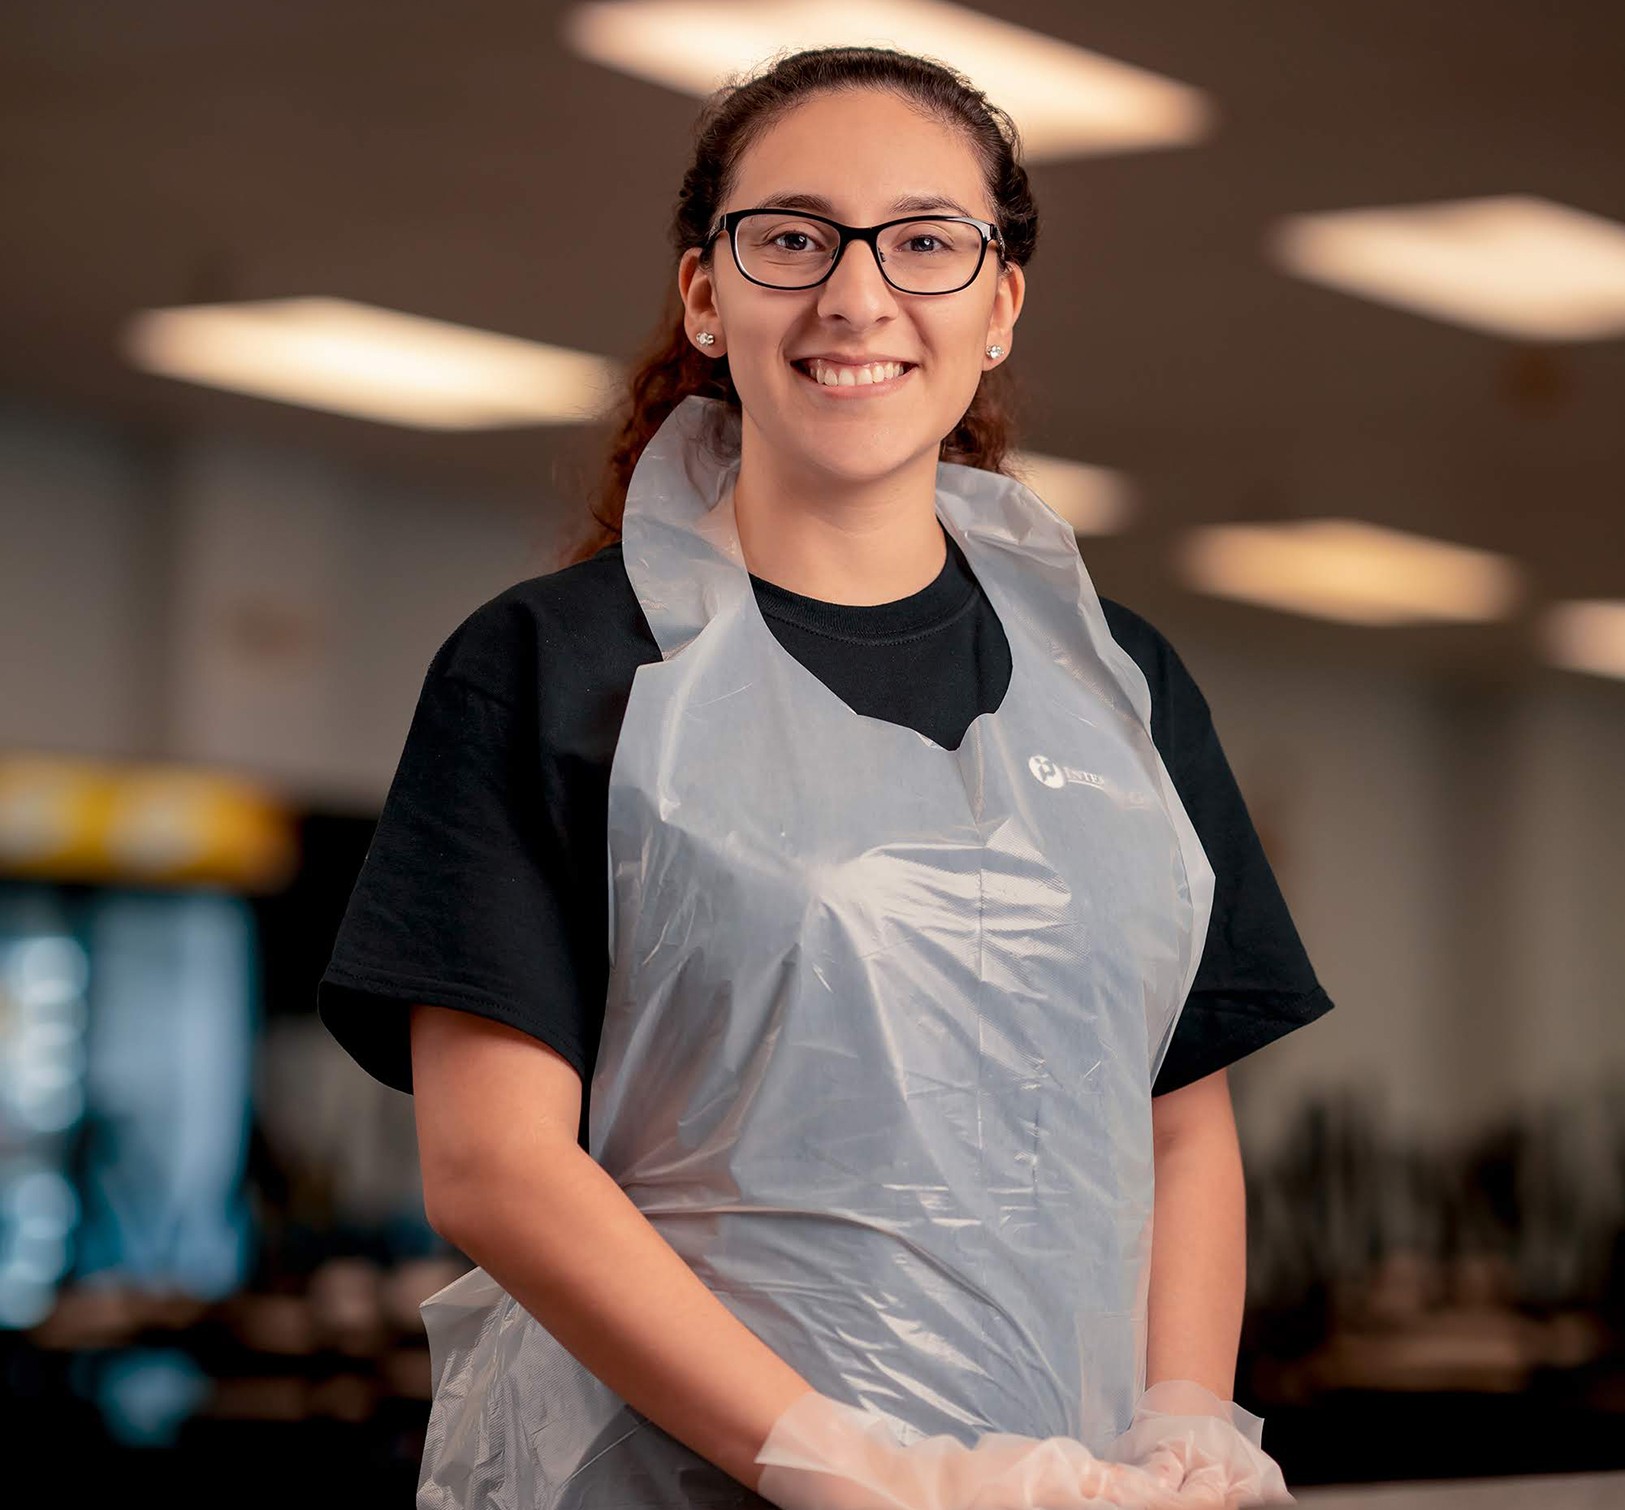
x=670 y=368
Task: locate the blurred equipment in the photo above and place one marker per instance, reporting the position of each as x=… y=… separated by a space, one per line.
x=345 y=1143
x=43 y=976
x=171 y=1041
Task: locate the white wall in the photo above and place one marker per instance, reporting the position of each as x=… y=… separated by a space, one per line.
x=231 y=604
x=415 y=564
x=1340 y=773
x=1453 y=857
x=1567 y=892
x=80 y=584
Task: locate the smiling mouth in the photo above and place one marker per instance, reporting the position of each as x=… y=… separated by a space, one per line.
x=847 y=375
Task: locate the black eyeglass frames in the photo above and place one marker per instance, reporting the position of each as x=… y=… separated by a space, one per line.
x=918 y=254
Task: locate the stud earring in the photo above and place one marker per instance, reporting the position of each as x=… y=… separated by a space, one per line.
x=705 y=338
x=995 y=352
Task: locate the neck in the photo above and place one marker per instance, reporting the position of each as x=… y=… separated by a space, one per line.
x=835 y=540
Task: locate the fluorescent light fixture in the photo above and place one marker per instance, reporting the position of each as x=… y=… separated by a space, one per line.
x=1068 y=101
x=1093 y=500
x=375 y=363
x=1588 y=635
x=1513 y=265
x=1349 y=571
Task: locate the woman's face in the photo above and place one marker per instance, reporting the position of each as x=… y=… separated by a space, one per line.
x=869 y=157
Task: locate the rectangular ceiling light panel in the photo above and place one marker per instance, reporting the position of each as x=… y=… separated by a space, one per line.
x=1352 y=572
x=1093 y=500
x=1511 y=265
x=1066 y=100
x=372 y=363
x=1587 y=636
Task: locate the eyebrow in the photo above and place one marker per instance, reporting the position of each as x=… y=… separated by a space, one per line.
x=906 y=204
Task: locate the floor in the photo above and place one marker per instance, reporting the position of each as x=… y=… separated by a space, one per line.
x=1576 y=1491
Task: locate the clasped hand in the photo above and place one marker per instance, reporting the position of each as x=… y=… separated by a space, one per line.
x=825 y=1455
x=1206 y=1451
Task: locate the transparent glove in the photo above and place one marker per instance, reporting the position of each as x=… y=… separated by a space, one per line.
x=1204 y=1452
x=823 y=1455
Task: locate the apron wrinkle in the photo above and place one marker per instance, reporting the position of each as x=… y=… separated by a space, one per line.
x=882 y=1018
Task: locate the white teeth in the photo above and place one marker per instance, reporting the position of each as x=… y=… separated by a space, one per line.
x=842 y=375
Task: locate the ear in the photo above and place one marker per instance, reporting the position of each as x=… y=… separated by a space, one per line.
x=1001 y=322
x=700 y=312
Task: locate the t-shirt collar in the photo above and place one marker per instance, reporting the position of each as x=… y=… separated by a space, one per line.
x=936 y=604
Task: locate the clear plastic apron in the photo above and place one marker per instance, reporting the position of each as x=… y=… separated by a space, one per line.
x=882 y=1020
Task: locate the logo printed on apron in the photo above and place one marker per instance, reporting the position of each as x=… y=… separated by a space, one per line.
x=882 y=1019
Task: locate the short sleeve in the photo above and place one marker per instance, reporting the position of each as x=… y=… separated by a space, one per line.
x=1254 y=983
x=463 y=899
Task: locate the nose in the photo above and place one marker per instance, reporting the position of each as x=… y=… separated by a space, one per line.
x=856 y=292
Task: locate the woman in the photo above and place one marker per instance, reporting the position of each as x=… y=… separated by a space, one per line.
x=902 y=904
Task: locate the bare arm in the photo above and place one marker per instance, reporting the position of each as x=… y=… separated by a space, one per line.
x=1199 y=1243
x=505 y=1180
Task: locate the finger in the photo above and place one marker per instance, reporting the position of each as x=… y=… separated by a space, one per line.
x=1206 y=1487
x=1106 y=1483
x=1165 y=1467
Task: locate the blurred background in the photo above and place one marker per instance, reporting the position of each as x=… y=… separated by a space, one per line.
x=306 y=313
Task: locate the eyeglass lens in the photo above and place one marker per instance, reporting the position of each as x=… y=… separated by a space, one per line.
x=919 y=256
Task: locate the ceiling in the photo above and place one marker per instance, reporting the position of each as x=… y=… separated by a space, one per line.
x=459 y=162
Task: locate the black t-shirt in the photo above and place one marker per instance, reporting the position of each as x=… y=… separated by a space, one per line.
x=486 y=886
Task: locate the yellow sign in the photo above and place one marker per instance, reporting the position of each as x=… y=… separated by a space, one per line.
x=73 y=819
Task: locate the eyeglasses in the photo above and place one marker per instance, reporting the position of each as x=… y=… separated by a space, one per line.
x=933 y=254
